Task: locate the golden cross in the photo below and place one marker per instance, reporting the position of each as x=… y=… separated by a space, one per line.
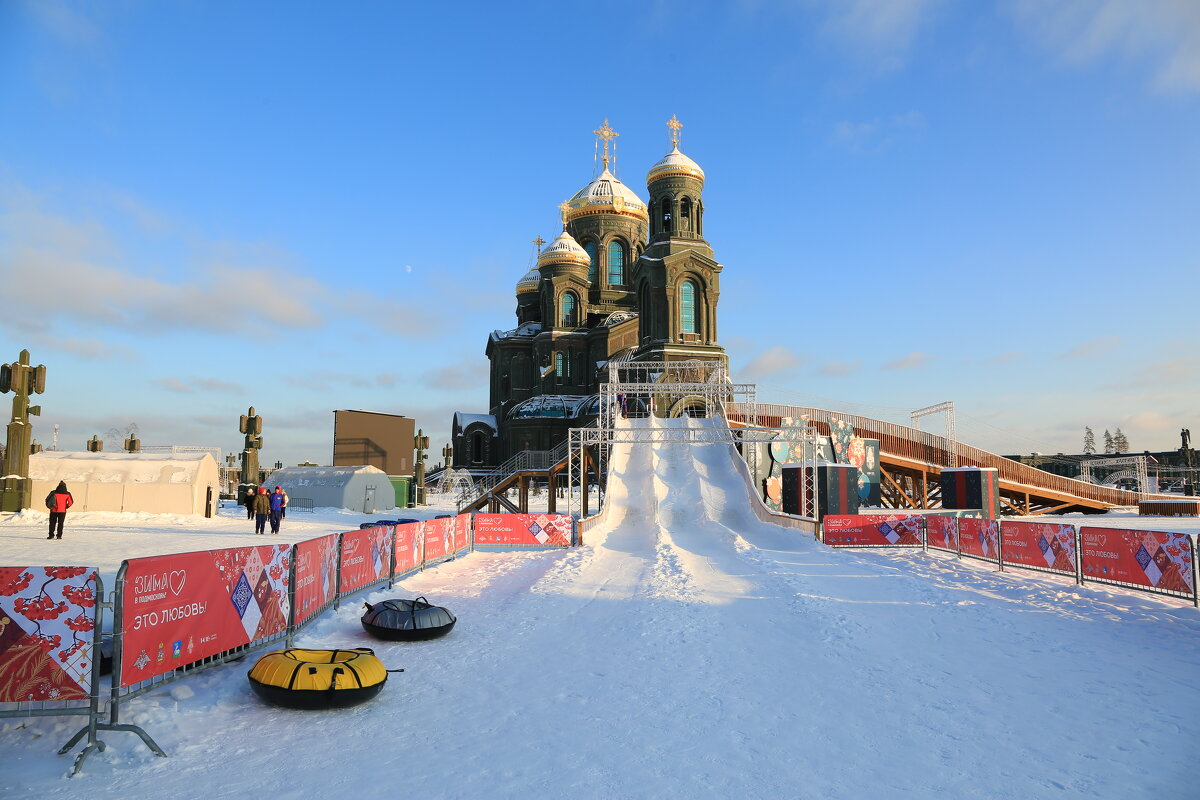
x=674 y=124
x=538 y=242
x=563 y=208
x=607 y=134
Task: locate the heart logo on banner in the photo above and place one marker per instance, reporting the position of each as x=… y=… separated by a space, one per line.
x=350 y=546
x=177 y=579
x=1101 y=539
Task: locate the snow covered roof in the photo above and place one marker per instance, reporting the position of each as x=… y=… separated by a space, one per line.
x=463 y=419
x=84 y=467
x=527 y=329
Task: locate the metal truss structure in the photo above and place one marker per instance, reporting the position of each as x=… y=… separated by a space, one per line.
x=1139 y=471
x=951 y=438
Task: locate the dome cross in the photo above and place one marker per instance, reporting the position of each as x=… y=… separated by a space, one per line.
x=606 y=133
x=674 y=124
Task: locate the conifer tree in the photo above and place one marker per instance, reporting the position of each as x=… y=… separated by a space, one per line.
x=1089 y=442
x=1108 y=442
x=1120 y=443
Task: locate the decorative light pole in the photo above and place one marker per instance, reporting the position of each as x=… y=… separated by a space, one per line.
x=251 y=425
x=133 y=444
x=448 y=455
x=421 y=444
x=23 y=380
x=95 y=444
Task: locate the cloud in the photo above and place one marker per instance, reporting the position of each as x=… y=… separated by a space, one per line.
x=70 y=26
x=174 y=385
x=85 y=347
x=464 y=375
x=330 y=381
x=771 y=361
x=873 y=137
x=216 y=385
x=836 y=368
x=1006 y=358
x=881 y=29
x=1165 y=34
x=914 y=360
x=1092 y=348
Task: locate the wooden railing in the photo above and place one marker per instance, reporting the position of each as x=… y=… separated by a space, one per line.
x=929 y=448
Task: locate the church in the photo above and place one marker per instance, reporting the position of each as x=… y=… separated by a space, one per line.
x=626 y=279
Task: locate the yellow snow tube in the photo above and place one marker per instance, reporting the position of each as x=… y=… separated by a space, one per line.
x=318 y=678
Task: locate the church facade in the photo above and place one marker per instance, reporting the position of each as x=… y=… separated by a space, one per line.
x=626 y=279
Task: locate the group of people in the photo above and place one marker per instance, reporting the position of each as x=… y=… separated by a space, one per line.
x=262 y=507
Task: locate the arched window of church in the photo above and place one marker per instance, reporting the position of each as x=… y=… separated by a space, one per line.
x=477 y=448
x=594 y=261
x=570 y=312
x=616 y=263
x=687 y=307
x=685 y=214
x=666 y=215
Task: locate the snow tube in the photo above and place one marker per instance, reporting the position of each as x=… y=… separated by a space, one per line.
x=407 y=620
x=308 y=679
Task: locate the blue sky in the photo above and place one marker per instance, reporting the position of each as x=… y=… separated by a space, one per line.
x=305 y=207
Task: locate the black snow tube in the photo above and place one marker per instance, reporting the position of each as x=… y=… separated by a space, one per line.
x=407 y=620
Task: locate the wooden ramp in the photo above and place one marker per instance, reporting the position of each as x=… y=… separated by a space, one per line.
x=911 y=463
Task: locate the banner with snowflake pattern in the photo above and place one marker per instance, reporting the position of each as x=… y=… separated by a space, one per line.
x=47 y=622
x=439 y=543
x=979 y=538
x=181 y=608
x=523 y=530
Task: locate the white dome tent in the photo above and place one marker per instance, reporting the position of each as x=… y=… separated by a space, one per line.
x=362 y=488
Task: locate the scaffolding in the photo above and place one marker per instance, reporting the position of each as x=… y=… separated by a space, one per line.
x=666 y=389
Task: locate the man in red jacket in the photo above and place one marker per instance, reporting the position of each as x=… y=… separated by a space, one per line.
x=58 y=502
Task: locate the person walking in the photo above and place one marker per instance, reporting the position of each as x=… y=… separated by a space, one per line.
x=262 y=509
x=276 y=509
x=249 y=500
x=58 y=502
x=283 y=510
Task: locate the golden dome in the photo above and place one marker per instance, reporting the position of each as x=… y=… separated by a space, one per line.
x=562 y=250
x=606 y=195
x=675 y=163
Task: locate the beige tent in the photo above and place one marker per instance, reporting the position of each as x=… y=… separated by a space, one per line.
x=156 y=483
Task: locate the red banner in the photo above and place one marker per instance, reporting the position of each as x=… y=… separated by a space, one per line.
x=523 y=530
x=1039 y=545
x=365 y=557
x=316 y=575
x=410 y=538
x=438 y=542
x=181 y=608
x=47 y=621
x=1154 y=559
x=462 y=533
x=941 y=533
x=979 y=537
x=859 y=530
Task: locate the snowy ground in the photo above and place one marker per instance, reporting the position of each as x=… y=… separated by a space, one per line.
x=687 y=650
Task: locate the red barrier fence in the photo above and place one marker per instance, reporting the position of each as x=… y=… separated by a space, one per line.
x=178 y=613
x=366 y=558
x=47 y=621
x=519 y=531
x=1154 y=561
x=316 y=576
x=860 y=530
x=1043 y=546
x=941 y=533
x=1151 y=561
x=182 y=608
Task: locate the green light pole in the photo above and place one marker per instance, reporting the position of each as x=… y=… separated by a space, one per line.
x=23 y=380
x=421 y=444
